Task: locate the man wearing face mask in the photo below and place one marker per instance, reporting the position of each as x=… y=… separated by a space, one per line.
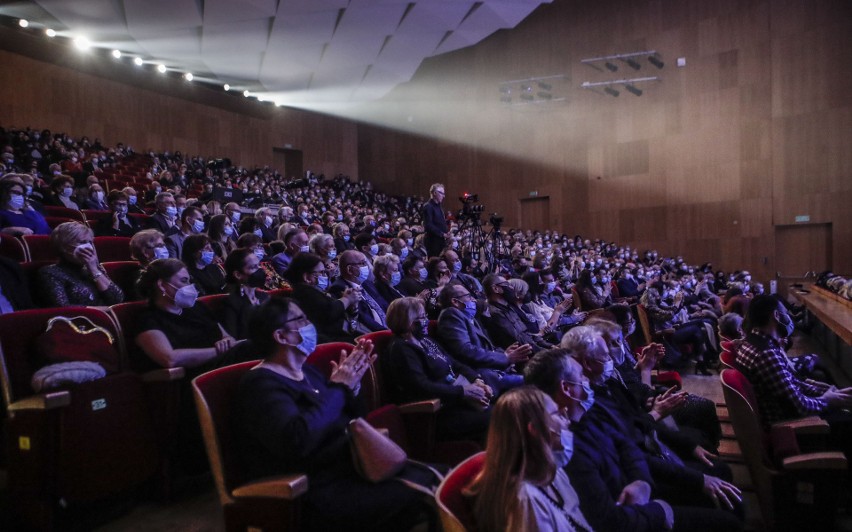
x=295 y=241
x=505 y=325
x=366 y=244
x=354 y=275
x=470 y=282
x=165 y=218
x=681 y=470
x=119 y=224
x=191 y=223
x=780 y=394
x=598 y=459
x=96 y=200
x=387 y=275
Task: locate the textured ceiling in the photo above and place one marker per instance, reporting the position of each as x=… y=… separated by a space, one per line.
x=290 y=51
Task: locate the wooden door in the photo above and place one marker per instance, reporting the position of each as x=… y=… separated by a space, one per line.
x=535 y=213
x=800 y=249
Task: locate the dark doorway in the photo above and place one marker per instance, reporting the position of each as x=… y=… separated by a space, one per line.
x=288 y=161
x=535 y=213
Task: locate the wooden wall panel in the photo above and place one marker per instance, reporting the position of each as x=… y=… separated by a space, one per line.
x=754 y=130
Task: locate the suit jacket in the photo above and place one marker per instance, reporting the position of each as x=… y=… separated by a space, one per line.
x=388 y=292
x=365 y=313
x=94 y=205
x=414 y=375
x=603 y=463
x=281 y=262
x=505 y=327
x=160 y=222
x=434 y=222
x=237 y=312
x=467 y=342
x=126 y=227
x=341 y=245
x=174 y=243
x=410 y=287
x=326 y=313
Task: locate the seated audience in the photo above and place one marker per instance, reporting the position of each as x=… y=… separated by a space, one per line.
x=322 y=245
x=221 y=233
x=664 y=306
x=522 y=485
x=133 y=204
x=413 y=276
x=594 y=290
x=291 y=419
x=371 y=307
x=148 y=245
x=191 y=223
x=165 y=217
x=386 y=276
x=16 y=217
x=247 y=280
x=505 y=326
x=203 y=266
x=417 y=368
x=61 y=192
x=118 y=223
x=95 y=198
x=78 y=278
x=342 y=240
x=255 y=243
x=14 y=292
x=295 y=241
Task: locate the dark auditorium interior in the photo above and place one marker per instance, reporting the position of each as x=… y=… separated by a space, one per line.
x=342 y=264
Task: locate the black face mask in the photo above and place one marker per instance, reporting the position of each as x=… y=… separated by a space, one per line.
x=419 y=328
x=257 y=279
x=510 y=296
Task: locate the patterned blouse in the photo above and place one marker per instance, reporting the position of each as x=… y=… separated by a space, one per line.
x=67 y=285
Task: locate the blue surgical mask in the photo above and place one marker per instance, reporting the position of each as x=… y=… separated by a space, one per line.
x=608 y=369
x=258 y=232
x=457 y=266
x=309 y=339
x=589 y=401
x=131 y=200
x=396 y=277
x=161 y=252
x=363 y=273
x=374 y=249
x=566 y=438
x=16 y=201
x=259 y=253
x=171 y=212
x=228 y=230
x=470 y=309
x=423 y=274
x=198 y=226
x=346 y=238
x=332 y=253
x=322 y=282
x=549 y=287
x=235 y=216
x=207 y=257
x=403 y=253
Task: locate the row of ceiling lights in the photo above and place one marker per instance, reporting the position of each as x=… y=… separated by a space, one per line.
x=82 y=43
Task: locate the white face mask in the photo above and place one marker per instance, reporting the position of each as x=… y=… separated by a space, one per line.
x=563 y=456
x=185 y=296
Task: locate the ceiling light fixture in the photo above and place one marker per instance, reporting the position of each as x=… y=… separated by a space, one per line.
x=23 y=23
x=188 y=76
x=246 y=93
x=610 y=66
x=161 y=69
x=633 y=90
x=226 y=87
x=116 y=54
x=50 y=32
x=138 y=61
x=656 y=61
x=611 y=91
x=82 y=43
x=633 y=64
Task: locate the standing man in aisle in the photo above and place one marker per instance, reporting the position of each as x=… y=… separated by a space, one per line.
x=434 y=223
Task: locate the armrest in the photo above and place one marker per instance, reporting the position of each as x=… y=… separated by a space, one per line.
x=421 y=407
x=807 y=425
x=286 y=488
x=45 y=401
x=811 y=461
x=164 y=375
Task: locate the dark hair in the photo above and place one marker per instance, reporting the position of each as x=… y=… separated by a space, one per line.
x=533 y=280
x=585 y=279
x=409 y=262
x=187 y=212
x=6 y=189
x=546 y=369
x=621 y=313
x=291 y=234
x=276 y=247
x=447 y=294
x=301 y=264
x=115 y=195
x=760 y=311
x=432 y=267
x=60 y=181
x=249 y=240
x=191 y=247
x=265 y=319
x=247 y=225
x=157 y=270
x=363 y=239
x=235 y=262
x=489 y=282
x=216 y=227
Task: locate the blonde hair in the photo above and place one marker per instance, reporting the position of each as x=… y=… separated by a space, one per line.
x=520 y=287
x=68 y=234
x=142 y=240
x=382 y=262
x=518 y=450
x=402 y=312
x=320 y=240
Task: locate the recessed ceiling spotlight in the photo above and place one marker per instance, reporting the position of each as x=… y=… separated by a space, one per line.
x=50 y=32
x=116 y=54
x=82 y=43
x=188 y=76
x=161 y=69
x=246 y=93
x=226 y=87
x=23 y=23
x=138 y=61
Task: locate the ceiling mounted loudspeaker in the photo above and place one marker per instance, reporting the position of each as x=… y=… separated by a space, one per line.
x=656 y=61
x=611 y=91
x=610 y=66
x=544 y=86
x=633 y=90
x=633 y=64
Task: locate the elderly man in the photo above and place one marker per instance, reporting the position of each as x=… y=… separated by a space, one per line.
x=295 y=241
x=463 y=338
x=455 y=265
x=165 y=218
x=505 y=325
x=355 y=273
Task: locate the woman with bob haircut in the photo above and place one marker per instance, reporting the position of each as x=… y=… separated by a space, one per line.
x=521 y=487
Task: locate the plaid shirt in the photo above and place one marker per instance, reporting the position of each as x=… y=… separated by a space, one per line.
x=780 y=394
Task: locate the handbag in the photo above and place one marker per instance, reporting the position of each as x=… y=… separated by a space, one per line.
x=77 y=339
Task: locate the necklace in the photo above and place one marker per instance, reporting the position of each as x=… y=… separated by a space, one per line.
x=559 y=503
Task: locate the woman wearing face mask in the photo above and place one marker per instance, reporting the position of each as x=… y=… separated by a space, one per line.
x=222 y=238
x=292 y=419
x=96 y=198
x=255 y=243
x=309 y=280
x=148 y=245
x=420 y=369
x=522 y=485
x=322 y=245
x=547 y=317
x=247 y=280
x=78 y=278
x=203 y=265
x=61 y=193
x=16 y=217
x=413 y=276
x=594 y=292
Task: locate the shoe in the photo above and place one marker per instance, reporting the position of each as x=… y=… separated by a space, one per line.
x=701 y=368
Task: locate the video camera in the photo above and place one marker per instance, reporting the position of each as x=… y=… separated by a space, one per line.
x=471 y=208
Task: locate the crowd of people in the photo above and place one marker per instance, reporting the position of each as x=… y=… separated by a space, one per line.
x=533 y=350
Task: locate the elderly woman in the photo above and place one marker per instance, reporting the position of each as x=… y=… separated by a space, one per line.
x=16 y=217
x=78 y=278
x=387 y=276
x=201 y=262
x=61 y=192
x=96 y=198
x=243 y=271
x=521 y=485
x=148 y=245
x=418 y=368
x=322 y=245
x=292 y=419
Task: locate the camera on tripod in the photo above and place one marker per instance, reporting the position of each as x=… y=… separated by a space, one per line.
x=471 y=208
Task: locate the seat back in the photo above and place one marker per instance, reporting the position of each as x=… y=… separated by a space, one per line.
x=19 y=357
x=728 y=358
x=12 y=248
x=39 y=248
x=124 y=274
x=127 y=316
x=375 y=377
x=324 y=354
x=214 y=393
x=216 y=305
x=644 y=323
x=112 y=248
x=576 y=296
x=456 y=509
x=64 y=212
x=96 y=216
x=54 y=221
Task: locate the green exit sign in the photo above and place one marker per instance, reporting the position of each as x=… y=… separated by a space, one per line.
x=803 y=218
x=533 y=193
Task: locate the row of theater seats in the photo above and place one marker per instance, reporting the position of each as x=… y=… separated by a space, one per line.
x=90 y=441
x=37 y=248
